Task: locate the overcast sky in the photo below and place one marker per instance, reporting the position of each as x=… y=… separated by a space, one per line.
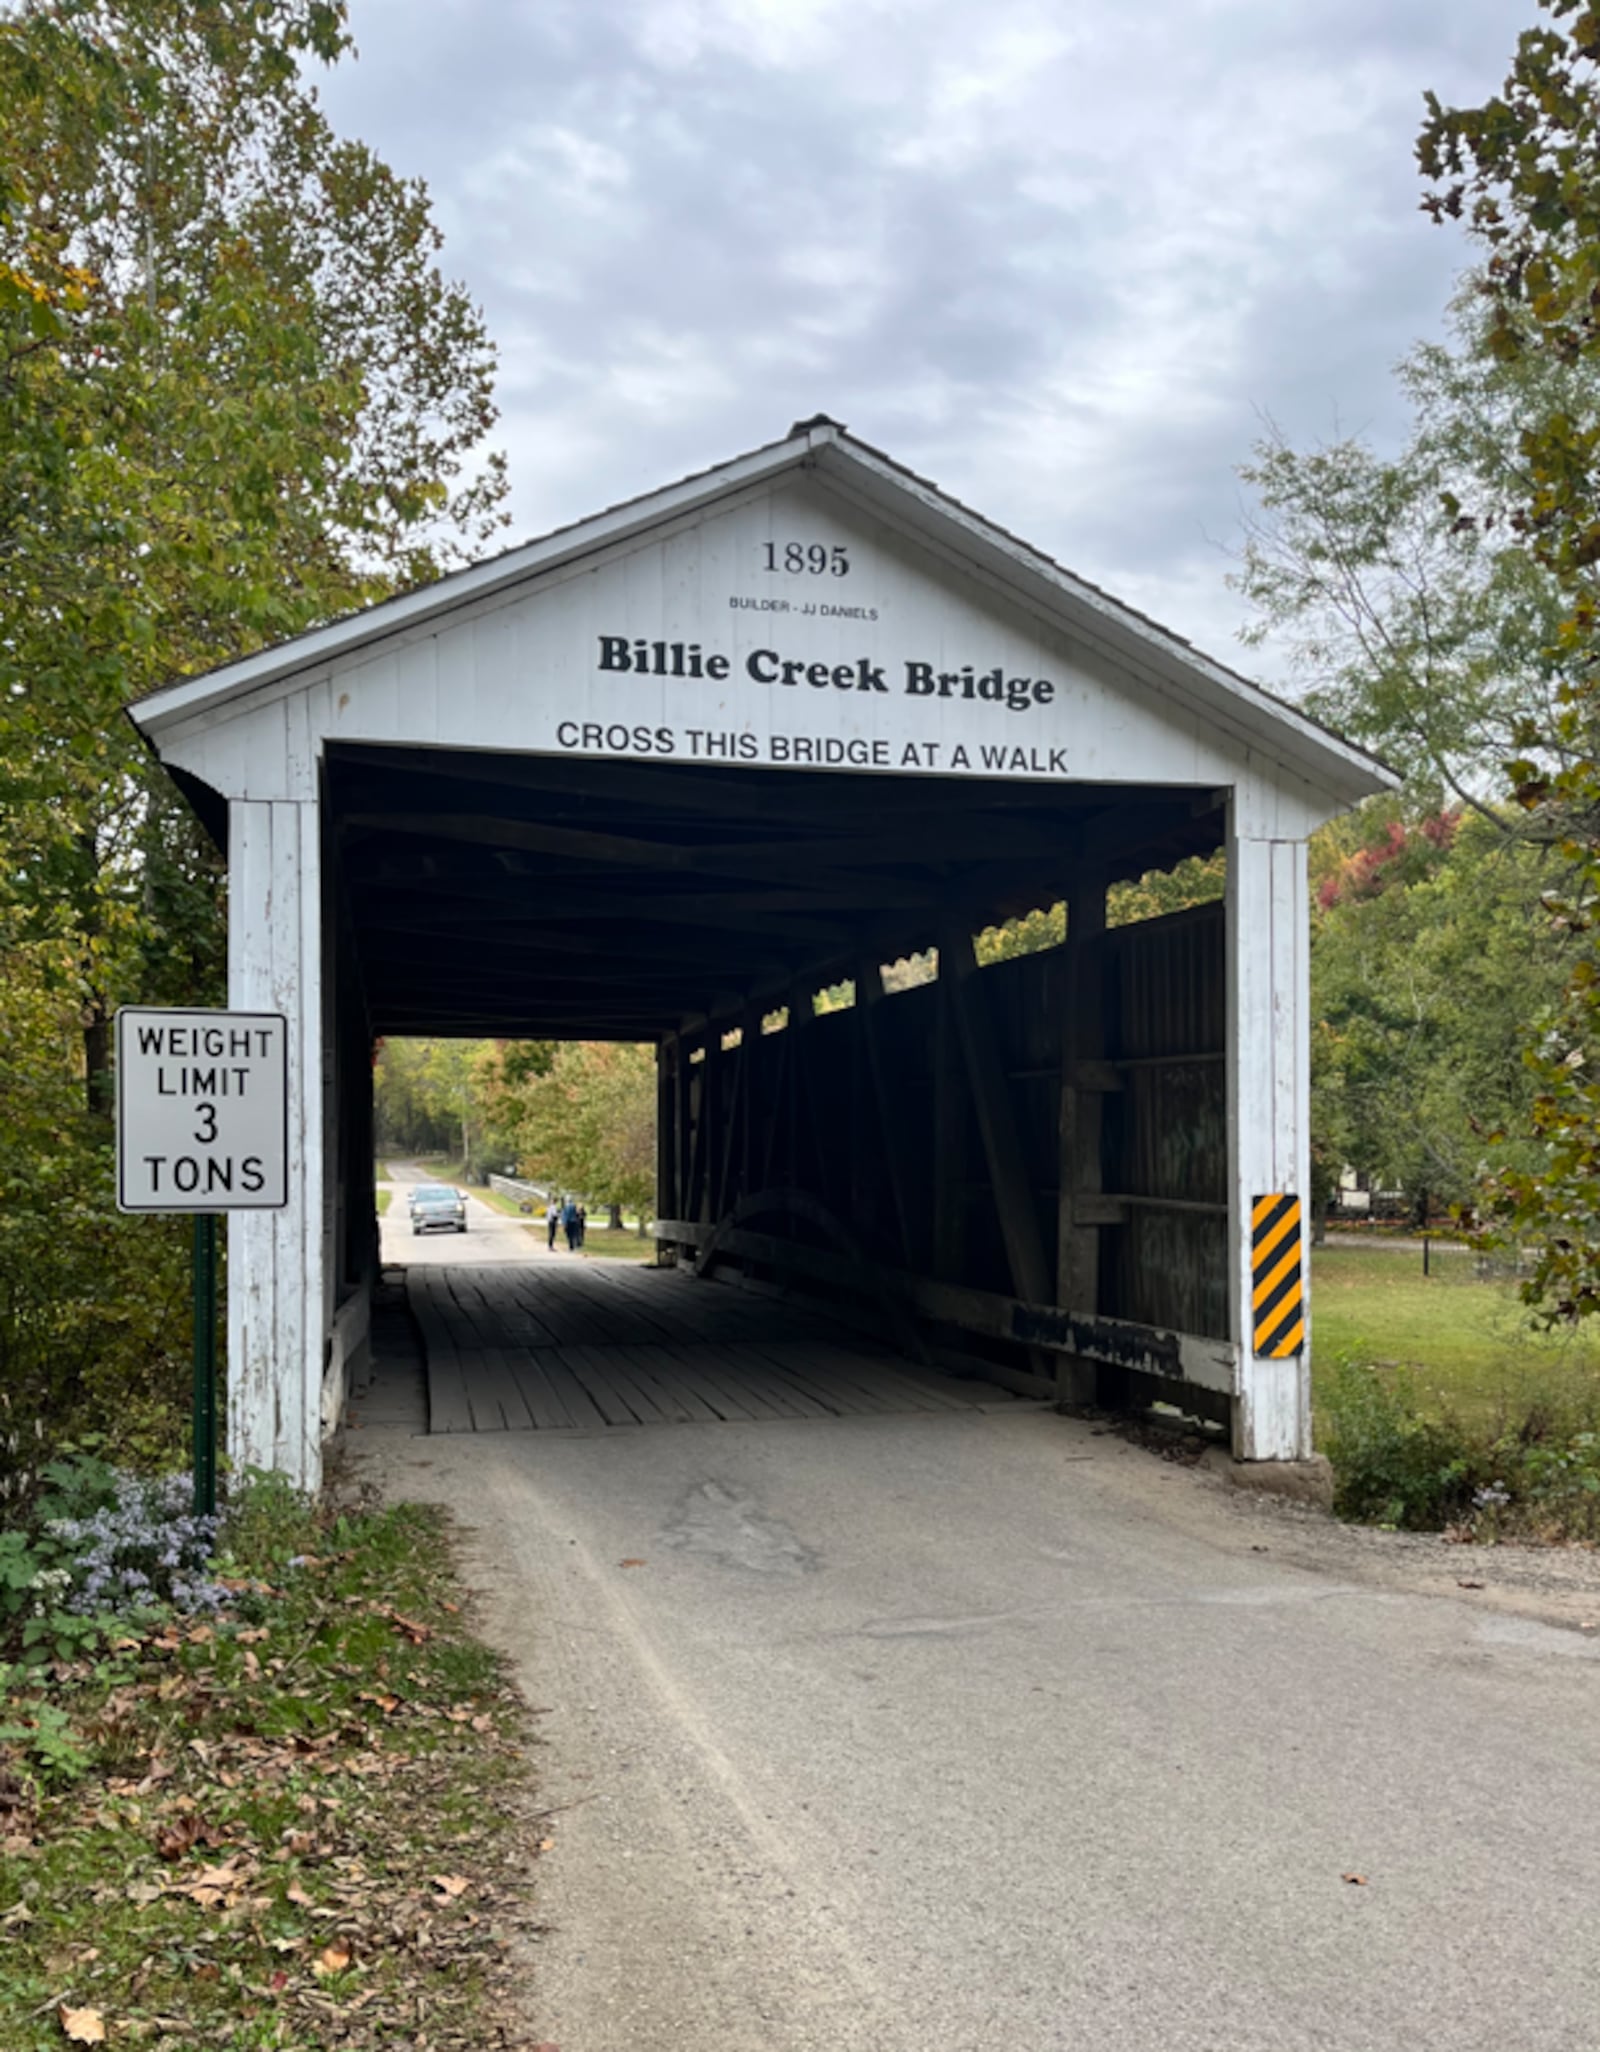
x=1060 y=258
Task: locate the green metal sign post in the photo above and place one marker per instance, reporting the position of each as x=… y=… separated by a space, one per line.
x=203 y=1128
x=205 y=1364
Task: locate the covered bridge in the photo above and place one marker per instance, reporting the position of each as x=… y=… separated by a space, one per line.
x=667 y=775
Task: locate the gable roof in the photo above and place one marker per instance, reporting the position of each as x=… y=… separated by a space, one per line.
x=1163 y=660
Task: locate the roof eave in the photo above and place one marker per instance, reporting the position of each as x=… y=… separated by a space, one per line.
x=1281 y=731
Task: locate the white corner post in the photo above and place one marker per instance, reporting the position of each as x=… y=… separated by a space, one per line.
x=1269 y=1118
x=277 y=1271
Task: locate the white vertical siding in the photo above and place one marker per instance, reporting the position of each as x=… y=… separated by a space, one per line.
x=276 y=1296
x=1269 y=1113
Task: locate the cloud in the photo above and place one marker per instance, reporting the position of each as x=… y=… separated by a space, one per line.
x=1060 y=261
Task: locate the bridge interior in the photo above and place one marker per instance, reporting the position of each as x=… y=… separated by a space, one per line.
x=938 y=1163
x=537 y=896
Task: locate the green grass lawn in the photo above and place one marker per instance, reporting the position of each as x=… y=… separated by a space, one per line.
x=601 y=1243
x=508 y=1207
x=1469 y=1345
x=384 y=1199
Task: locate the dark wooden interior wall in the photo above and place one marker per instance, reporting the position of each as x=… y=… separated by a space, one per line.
x=1167 y=1128
x=871 y=1111
x=353 y=1137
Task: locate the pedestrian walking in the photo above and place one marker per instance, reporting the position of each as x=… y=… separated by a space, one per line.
x=552 y=1218
x=569 y=1218
x=583 y=1224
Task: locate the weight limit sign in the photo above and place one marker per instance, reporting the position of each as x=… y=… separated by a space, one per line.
x=1278 y=1296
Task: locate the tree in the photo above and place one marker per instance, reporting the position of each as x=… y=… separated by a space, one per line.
x=587 y=1121
x=1417 y=621
x=1522 y=172
x=444 y=1096
x=237 y=398
x=1424 y=966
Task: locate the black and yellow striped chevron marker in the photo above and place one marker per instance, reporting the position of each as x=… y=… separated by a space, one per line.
x=1278 y=1296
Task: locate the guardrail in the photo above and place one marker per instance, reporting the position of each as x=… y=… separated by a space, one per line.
x=520 y=1192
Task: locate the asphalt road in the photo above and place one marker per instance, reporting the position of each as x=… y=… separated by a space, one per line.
x=491 y=1236
x=991 y=1732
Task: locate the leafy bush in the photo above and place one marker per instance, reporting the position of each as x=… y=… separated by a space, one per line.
x=94 y=1306
x=44 y=1736
x=19 y=1564
x=1533 y=1475
x=270 y=1525
x=77 y=1484
x=1558 y=1486
x=1392 y=1464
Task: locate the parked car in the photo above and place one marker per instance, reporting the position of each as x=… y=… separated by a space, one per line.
x=436 y=1204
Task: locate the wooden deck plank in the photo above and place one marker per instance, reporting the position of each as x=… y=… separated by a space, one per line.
x=668 y=1384
x=892 y=1388
x=600 y=1388
x=747 y=1370
x=694 y=1392
x=827 y=1375
x=606 y=1367
x=585 y=1414
x=448 y=1407
x=500 y=1388
x=731 y=1394
x=539 y=1393
x=584 y=1347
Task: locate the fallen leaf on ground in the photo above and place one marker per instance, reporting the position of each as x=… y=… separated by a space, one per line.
x=1355 y=1880
x=1469 y=1585
x=83 y=2026
x=416 y=1633
x=174 y=1840
x=215 y=1885
x=452 y=1884
x=631 y=1563
x=333 y=1959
